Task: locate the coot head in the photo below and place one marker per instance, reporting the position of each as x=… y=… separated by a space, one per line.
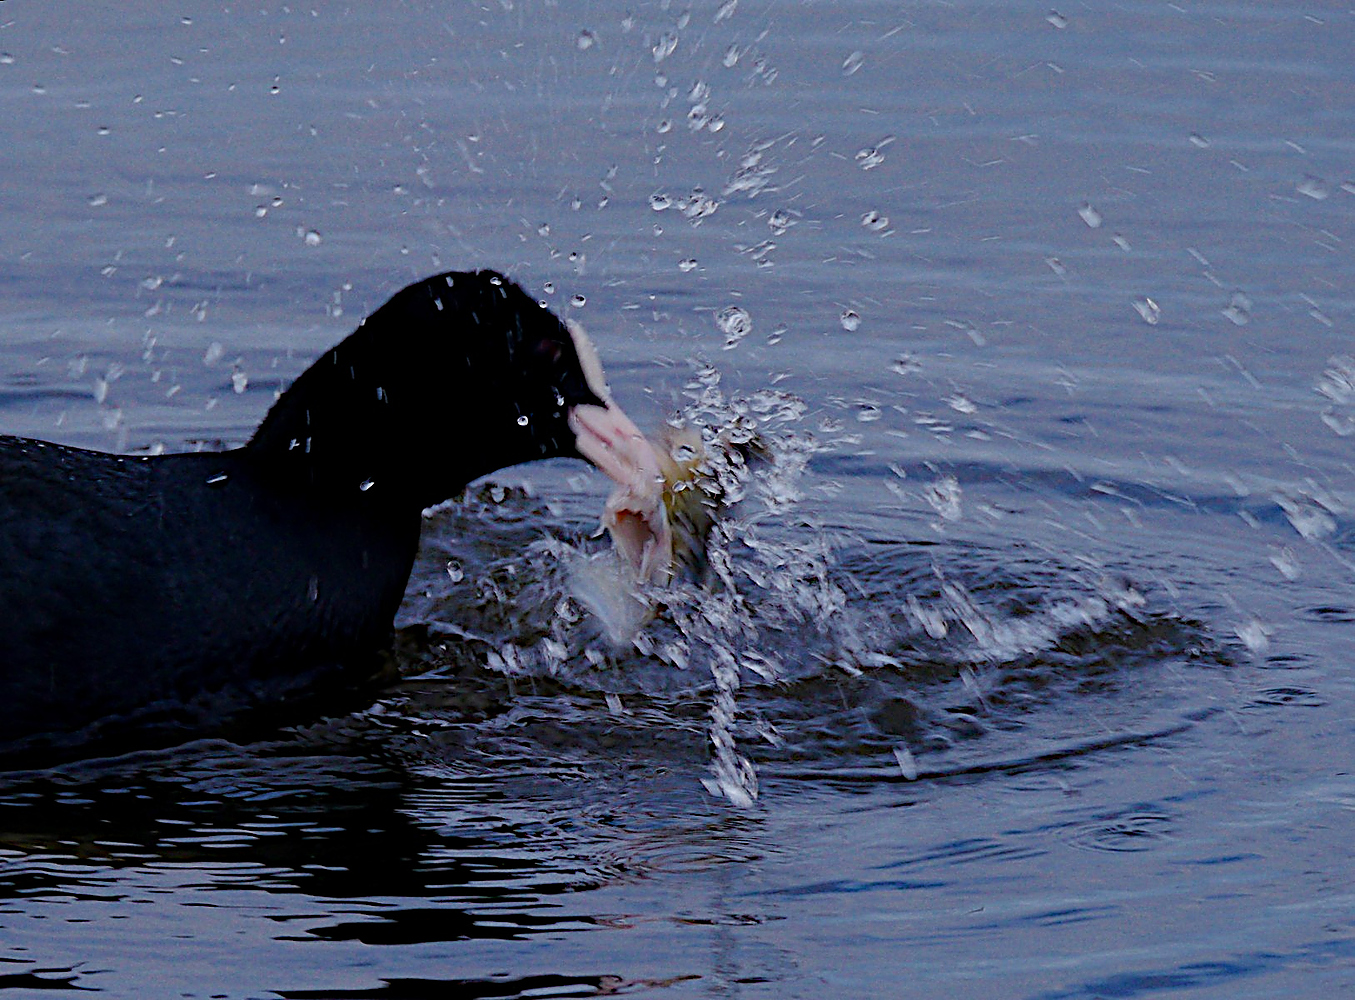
x=454 y=377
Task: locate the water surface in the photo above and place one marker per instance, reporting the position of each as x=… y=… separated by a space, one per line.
x=1038 y=667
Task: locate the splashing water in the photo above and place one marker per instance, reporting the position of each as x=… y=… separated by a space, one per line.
x=750 y=587
x=735 y=323
x=755 y=584
x=778 y=608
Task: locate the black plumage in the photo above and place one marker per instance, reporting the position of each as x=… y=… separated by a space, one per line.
x=175 y=592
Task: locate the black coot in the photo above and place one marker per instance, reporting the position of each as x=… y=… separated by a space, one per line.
x=170 y=594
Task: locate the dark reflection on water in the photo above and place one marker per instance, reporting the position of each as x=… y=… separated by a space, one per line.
x=529 y=986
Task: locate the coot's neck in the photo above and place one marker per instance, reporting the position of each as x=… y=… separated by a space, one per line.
x=337 y=431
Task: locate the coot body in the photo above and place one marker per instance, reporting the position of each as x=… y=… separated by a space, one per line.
x=176 y=592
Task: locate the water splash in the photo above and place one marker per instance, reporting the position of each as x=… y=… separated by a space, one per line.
x=1238 y=310
x=736 y=323
x=869 y=157
x=753 y=175
x=1149 y=311
x=1310 y=509
x=756 y=582
x=664 y=46
x=1314 y=187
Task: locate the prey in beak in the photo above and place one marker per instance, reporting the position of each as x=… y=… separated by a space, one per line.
x=635 y=515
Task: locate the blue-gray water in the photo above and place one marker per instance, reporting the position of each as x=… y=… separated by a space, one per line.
x=1046 y=665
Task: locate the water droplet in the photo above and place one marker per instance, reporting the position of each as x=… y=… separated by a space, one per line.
x=775 y=336
x=102 y=130
x=1286 y=562
x=39 y=88
x=217 y=480
x=1056 y=266
x=1120 y=242
x=1342 y=425
x=239 y=381
x=735 y=322
x=683 y=453
x=6 y=59
x=586 y=40
x=665 y=46
x=1198 y=141
x=1239 y=309
x=874 y=221
x=98 y=200
x=312 y=238
x=578 y=301
x=1090 y=215
x=907 y=765
x=213 y=354
x=779 y=221
x=260 y=211
x=523 y=420
x=1149 y=311
x=868 y=413
x=944 y=497
x=1337 y=382
x=731 y=58
x=549 y=288
x=1057 y=19
x=961 y=404
x=543 y=229
x=853 y=63
x=851 y=320
x=869 y=158
x=726 y=10
x=454 y=571
x=905 y=364
x=689 y=264
x=697 y=205
x=1315 y=188
x=1311 y=515
x=665 y=127
x=660 y=202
